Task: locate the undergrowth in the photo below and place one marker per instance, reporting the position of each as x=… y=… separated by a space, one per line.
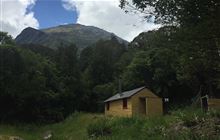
x=183 y=124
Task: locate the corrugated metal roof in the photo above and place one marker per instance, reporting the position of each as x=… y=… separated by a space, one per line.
x=125 y=94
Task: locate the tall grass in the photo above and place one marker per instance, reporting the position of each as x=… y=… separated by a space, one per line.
x=73 y=128
x=182 y=124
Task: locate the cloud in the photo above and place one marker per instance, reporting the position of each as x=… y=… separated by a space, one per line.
x=107 y=15
x=14 y=16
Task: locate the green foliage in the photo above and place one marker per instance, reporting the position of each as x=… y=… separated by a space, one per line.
x=83 y=126
x=155 y=65
x=193 y=46
x=137 y=72
x=127 y=128
x=176 y=12
x=173 y=62
x=100 y=128
x=73 y=127
x=42 y=50
x=199 y=60
x=72 y=94
x=186 y=123
x=99 y=66
x=6 y=39
x=102 y=61
x=30 y=86
x=178 y=61
x=41 y=84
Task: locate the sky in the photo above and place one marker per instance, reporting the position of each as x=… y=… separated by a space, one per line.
x=50 y=13
x=16 y=15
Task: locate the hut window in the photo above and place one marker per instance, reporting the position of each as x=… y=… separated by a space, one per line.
x=125 y=103
x=108 y=105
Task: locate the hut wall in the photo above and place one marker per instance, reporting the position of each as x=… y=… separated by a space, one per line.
x=154 y=106
x=214 y=103
x=137 y=106
x=116 y=108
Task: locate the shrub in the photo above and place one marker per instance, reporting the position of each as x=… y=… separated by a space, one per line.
x=99 y=128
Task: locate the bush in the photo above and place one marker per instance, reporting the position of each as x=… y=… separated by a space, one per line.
x=188 y=123
x=127 y=128
x=99 y=128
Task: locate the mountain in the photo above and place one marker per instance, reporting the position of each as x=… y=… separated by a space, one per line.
x=80 y=35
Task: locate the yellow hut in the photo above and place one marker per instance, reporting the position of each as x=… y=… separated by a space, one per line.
x=140 y=101
x=210 y=103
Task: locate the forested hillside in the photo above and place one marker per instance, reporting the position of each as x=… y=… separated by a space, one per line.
x=42 y=84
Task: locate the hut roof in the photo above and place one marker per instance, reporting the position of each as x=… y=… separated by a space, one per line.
x=125 y=94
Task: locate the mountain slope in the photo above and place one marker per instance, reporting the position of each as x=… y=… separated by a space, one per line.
x=80 y=35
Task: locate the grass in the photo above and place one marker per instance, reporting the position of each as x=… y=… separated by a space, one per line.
x=136 y=128
x=183 y=124
x=73 y=128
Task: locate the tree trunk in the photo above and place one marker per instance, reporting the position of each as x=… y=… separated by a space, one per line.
x=204 y=100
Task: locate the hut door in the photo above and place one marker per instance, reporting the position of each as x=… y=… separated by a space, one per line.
x=142 y=106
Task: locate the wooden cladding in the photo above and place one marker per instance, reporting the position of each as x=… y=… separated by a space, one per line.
x=143 y=103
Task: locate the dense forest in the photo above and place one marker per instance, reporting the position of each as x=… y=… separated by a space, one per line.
x=180 y=61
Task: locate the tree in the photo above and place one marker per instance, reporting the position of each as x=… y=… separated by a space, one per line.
x=197 y=37
x=6 y=39
x=70 y=78
x=176 y=12
x=100 y=70
x=29 y=86
x=101 y=66
x=199 y=60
